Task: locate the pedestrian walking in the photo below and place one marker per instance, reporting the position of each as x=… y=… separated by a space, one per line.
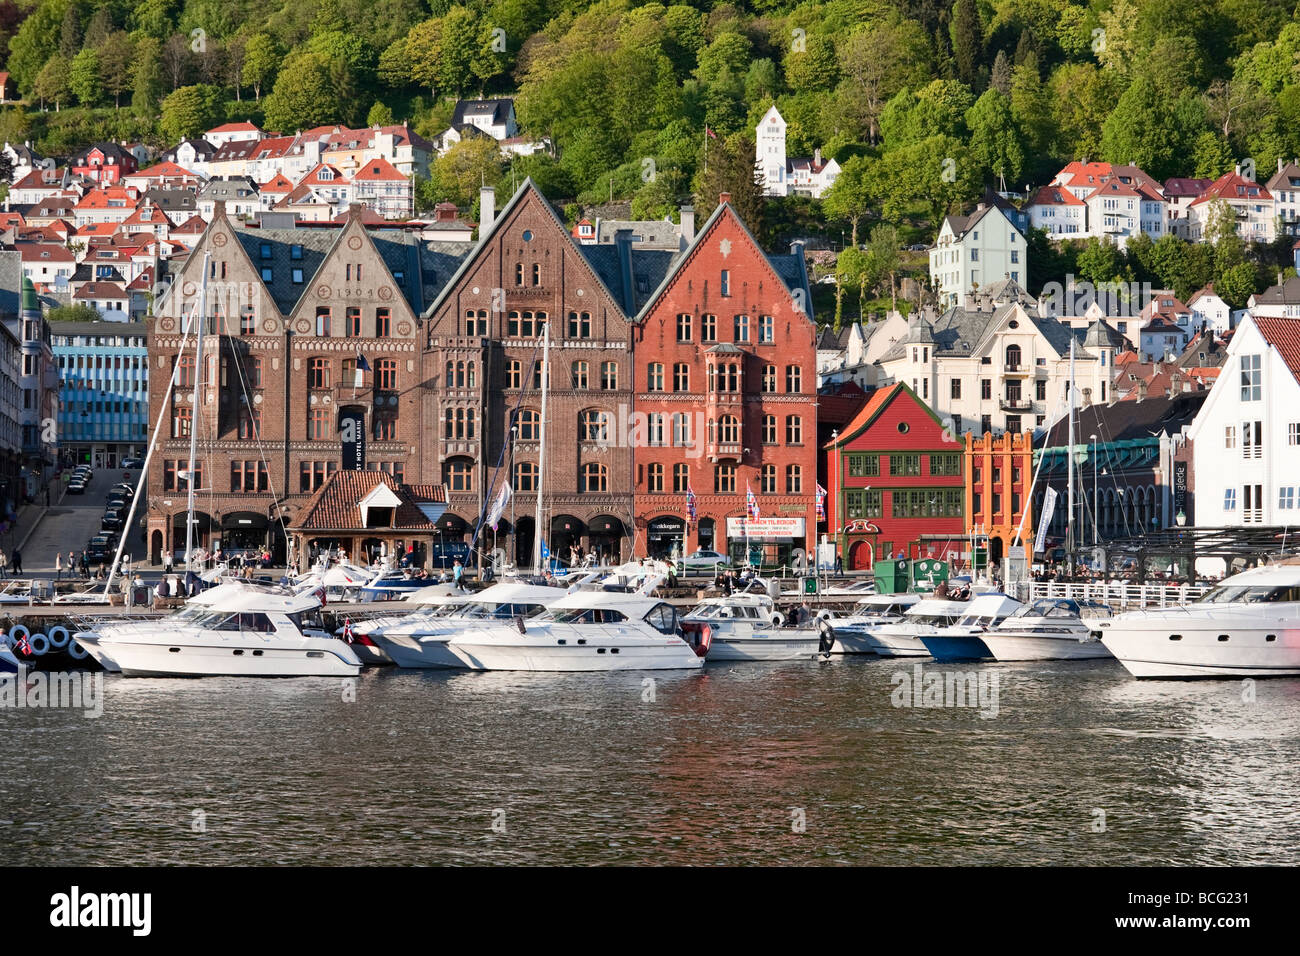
x=58 y=565
x=69 y=562
x=18 y=561
x=85 y=566
x=128 y=592
x=458 y=575
x=167 y=562
x=4 y=564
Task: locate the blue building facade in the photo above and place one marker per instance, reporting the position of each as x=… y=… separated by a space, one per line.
x=104 y=406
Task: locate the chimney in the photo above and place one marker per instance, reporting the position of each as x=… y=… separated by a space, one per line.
x=1279 y=164
x=724 y=198
x=688 y=224
x=817 y=157
x=1237 y=169
x=487 y=209
x=796 y=247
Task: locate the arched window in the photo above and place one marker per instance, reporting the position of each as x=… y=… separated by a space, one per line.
x=186 y=377
x=458 y=474
x=593 y=425
x=519 y=273
x=525 y=476
x=729 y=430
x=595 y=477
x=529 y=423
x=537 y=274
x=1013 y=356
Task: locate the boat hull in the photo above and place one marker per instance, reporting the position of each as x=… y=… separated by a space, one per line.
x=1146 y=653
x=944 y=647
x=1029 y=647
x=898 y=645
x=419 y=650
x=508 y=650
x=776 y=646
x=234 y=657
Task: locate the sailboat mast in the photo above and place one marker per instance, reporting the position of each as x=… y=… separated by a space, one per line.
x=1069 y=522
x=194 y=412
x=541 y=454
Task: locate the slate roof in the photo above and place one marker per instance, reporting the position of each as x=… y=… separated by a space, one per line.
x=1127 y=421
x=172 y=199
x=336 y=506
x=498 y=109
x=11 y=281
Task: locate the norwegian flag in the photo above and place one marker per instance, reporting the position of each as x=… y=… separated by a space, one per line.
x=347 y=630
x=25 y=645
x=751 y=503
x=821 y=503
x=320 y=594
x=710 y=132
x=690 y=502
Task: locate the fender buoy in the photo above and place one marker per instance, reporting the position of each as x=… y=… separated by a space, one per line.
x=13 y=638
x=777 y=619
x=59 y=637
x=40 y=645
x=77 y=652
x=827 y=637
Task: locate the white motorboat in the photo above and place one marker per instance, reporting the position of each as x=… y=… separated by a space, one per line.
x=851 y=630
x=1248 y=626
x=860 y=588
x=416 y=604
x=8 y=659
x=421 y=639
x=964 y=641
x=232 y=629
x=746 y=627
x=590 y=631
x=1049 y=629
x=927 y=616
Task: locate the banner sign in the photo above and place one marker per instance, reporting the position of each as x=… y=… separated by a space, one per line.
x=1180 y=487
x=352 y=433
x=1049 y=507
x=765 y=527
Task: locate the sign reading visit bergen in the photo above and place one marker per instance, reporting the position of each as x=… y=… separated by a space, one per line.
x=352 y=433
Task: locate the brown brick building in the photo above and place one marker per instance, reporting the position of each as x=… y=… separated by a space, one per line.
x=288 y=312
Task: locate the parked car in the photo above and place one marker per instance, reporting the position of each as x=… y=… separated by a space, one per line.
x=101 y=548
x=84 y=471
x=704 y=562
x=111 y=522
x=76 y=487
x=917 y=247
x=133 y=463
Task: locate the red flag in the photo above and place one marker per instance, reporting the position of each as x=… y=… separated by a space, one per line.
x=709 y=132
x=347 y=630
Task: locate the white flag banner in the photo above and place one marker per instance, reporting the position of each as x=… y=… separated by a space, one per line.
x=499 y=505
x=1049 y=507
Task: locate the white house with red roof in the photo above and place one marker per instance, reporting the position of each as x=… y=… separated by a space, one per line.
x=1120 y=200
x=37 y=185
x=1180 y=191
x=379 y=185
x=974 y=252
x=1059 y=212
x=1252 y=205
x=242 y=131
x=785 y=176
x=106 y=204
x=1246 y=451
x=108 y=298
x=1209 y=310
x=164 y=175
x=45 y=262
x=1285 y=187
x=273 y=190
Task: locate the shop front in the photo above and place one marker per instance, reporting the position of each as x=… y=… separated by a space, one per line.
x=666 y=537
x=605 y=538
x=765 y=542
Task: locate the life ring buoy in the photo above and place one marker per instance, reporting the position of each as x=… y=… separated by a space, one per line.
x=12 y=637
x=76 y=651
x=826 y=636
x=778 y=619
x=59 y=637
x=40 y=644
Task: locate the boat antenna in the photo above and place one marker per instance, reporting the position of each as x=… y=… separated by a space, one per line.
x=538 y=529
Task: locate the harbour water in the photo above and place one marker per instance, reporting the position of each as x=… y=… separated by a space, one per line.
x=793 y=763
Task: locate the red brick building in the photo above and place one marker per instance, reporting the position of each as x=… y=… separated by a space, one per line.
x=999 y=472
x=896 y=483
x=726 y=390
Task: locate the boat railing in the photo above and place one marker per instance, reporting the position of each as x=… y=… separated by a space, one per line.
x=1117 y=596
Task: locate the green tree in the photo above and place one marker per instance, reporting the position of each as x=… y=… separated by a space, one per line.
x=116 y=54
x=457 y=174
x=188 y=111
x=35 y=42
x=877 y=61
x=1212 y=156
x=146 y=76
x=423 y=53
x=304 y=94
x=51 y=84
x=815 y=68
x=728 y=167
x=886 y=260
x=1101 y=261
x=394 y=67
x=967 y=41
x=994 y=138
x=84 y=78
x=262 y=58
x=1237 y=284
x=70 y=32
x=72 y=313
x=379 y=115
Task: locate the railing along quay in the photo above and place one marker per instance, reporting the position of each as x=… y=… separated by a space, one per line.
x=1117 y=596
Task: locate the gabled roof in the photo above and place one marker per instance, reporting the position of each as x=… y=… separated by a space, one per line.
x=378 y=170
x=100 y=290
x=879 y=401
x=235 y=150
x=243 y=126
x=1233 y=187
x=336 y=506
x=273 y=147
x=1283 y=335
x=1182 y=187
x=164 y=170
x=497 y=109
x=1055 y=196
x=277 y=184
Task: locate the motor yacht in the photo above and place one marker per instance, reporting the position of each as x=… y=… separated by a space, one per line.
x=902 y=639
x=963 y=641
x=232 y=629
x=746 y=627
x=1049 y=629
x=870 y=612
x=590 y=631
x=1248 y=626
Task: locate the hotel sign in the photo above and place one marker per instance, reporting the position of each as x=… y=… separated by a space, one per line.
x=765 y=527
x=352 y=434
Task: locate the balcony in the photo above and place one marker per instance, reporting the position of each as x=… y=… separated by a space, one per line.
x=1016 y=371
x=725 y=449
x=1015 y=405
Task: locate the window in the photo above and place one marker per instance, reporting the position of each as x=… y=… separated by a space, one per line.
x=250 y=423
x=595 y=477
x=1230 y=499
x=683 y=328
x=728 y=430
x=386 y=375
x=724 y=479
x=724 y=282
x=537 y=274
x=986 y=388
x=265 y=250
x=383 y=323
x=956 y=388
x=185 y=378
x=609 y=376
x=724 y=378
x=529 y=423
x=593 y=425
x=296 y=275
x=769 y=429
x=385 y=428
x=525 y=324
x=318 y=423
x=769 y=378
x=255 y=372
x=793 y=378
x=682 y=430
x=794 y=430
x=323 y=321
x=1230 y=436
x=318 y=373
x=579 y=375
x=1013 y=356
x=655 y=428
x=457 y=423
x=931 y=503
x=174 y=477
x=519 y=273
x=681 y=479
x=182 y=421
x=579 y=325
x=863 y=503
x=708 y=328
x=249 y=476
x=1040 y=390
x=904 y=465
x=526 y=476
x=655 y=377
x=1251 y=379
x=247 y=322
x=864 y=466
x=947 y=466
x=476 y=324
x=313 y=474
x=458 y=474
x=514 y=374
x=793 y=480
x=1293 y=433
x=1252 y=439
x=655 y=479
x=766 y=329
x=681 y=377
x=986 y=423
x=742 y=328
x=295 y=252
x=1286 y=498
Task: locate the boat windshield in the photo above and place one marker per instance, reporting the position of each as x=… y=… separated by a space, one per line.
x=497 y=611
x=1252 y=594
x=1048 y=608
x=937 y=620
x=583 y=615
x=210 y=620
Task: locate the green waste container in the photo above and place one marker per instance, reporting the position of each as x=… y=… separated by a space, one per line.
x=928 y=572
x=891 y=576
x=809 y=585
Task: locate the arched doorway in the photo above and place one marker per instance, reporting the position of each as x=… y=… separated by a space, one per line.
x=156 y=547
x=566 y=532
x=524 y=543
x=203 y=525
x=665 y=537
x=860 y=556
x=451 y=545
x=243 y=532
x=605 y=532
x=705 y=535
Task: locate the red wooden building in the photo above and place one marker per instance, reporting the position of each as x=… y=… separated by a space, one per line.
x=726 y=390
x=105 y=163
x=896 y=483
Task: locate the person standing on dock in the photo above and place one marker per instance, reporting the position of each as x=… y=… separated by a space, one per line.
x=167 y=562
x=4 y=562
x=18 y=561
x=128 y=592
x=58 y=565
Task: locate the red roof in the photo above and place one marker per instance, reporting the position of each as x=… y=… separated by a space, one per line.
x=100 y=290
x=279 y=183
x=1231 y=186
x=1055 y=196
x=876 y=403
x=243 y=127
x=336 y=506
x=1283 y=335
x=378 y=170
